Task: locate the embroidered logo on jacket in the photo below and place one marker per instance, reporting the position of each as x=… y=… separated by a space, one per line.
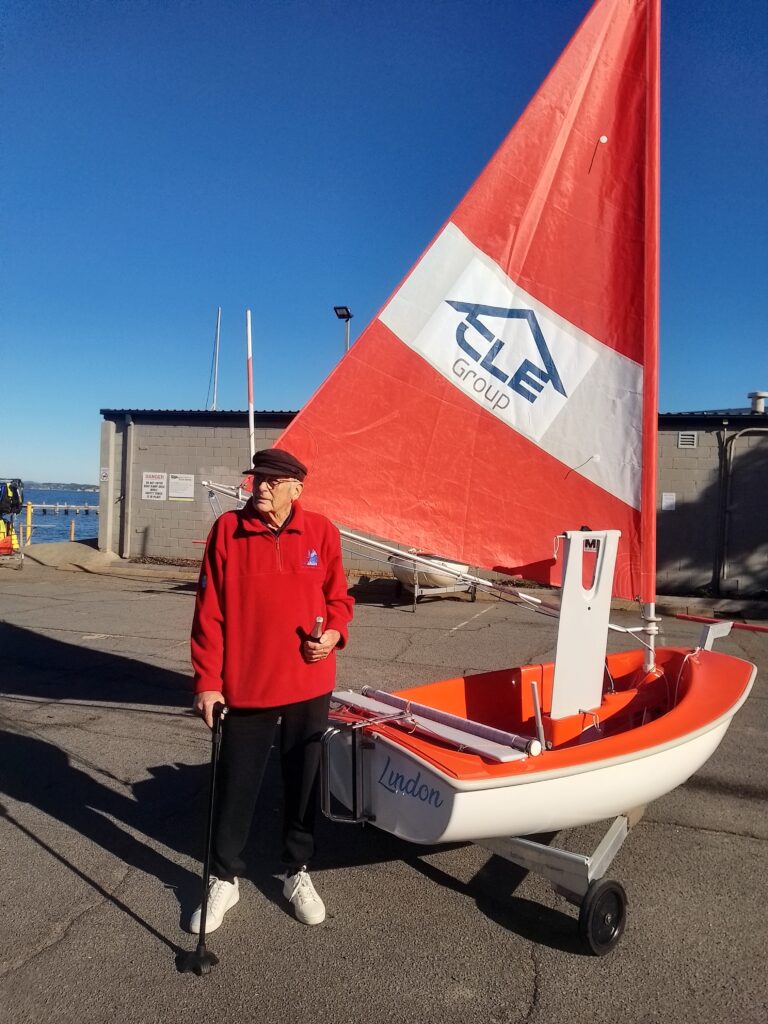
x=311 y=557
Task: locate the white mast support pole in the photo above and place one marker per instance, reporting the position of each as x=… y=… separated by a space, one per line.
x=500 y=588
x=651 y=631
x=216 y=361
x=249 y=366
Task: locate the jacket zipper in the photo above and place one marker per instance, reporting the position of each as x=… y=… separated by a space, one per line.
x=279 y=556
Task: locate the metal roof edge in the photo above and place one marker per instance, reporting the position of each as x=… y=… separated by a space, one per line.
x=207 y=413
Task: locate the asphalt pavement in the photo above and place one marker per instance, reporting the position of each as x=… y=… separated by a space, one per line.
x=103 y=787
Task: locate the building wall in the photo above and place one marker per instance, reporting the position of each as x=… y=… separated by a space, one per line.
x=132 y=525
x=687 y=534
x=744 y=568
x=709 y=542
x=715 y=539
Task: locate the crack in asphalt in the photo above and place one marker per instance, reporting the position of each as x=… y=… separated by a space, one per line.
x=61 y=929
x=700 y=829
x=536 y=995
x=185 y=713
x=84 y=634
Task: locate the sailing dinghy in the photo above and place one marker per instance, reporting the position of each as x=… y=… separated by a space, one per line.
x=521 y=352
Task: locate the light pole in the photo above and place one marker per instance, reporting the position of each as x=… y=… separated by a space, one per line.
x=344 y=313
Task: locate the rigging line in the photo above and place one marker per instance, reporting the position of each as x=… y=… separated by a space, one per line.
x=521 y=601
x=690 y=654
x=489 y=588
x=364 y=554
x=460 y=575
x=633 y=634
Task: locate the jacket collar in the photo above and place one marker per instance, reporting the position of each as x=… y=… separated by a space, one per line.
x=251 y=521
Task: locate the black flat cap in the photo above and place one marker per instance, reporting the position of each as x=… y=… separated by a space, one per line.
x=276 y=462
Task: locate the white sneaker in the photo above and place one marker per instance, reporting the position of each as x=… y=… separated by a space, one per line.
x=307 y=905
x=221 y=897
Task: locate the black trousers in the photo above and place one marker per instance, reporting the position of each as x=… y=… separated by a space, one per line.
x=247 y=736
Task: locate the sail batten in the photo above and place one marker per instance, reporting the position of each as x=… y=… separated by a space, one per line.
x=506 y=391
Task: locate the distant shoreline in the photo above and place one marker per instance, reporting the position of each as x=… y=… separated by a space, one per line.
x=34 y=485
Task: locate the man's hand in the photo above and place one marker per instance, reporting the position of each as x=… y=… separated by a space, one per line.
x=204 y=702
x=318 y=650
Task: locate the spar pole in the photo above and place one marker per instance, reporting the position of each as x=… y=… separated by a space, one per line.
x=651 y=341
x=249 y=366
x=216 y=361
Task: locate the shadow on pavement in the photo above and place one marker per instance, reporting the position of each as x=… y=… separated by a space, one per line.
x=493 y=887
x=36 y=772
x=42 y=667
x=169 y=806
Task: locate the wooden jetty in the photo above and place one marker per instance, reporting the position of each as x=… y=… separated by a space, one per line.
x=63 y=509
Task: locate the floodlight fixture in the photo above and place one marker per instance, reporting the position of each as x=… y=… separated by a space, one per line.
x=344 y=313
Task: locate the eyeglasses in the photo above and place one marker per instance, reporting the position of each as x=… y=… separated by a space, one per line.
x=272 y=482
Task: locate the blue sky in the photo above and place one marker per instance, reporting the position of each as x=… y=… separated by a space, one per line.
x=161 y=159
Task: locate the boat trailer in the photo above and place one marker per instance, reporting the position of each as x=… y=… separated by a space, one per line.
x=579 y=878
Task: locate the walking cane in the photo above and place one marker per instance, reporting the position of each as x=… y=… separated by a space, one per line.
x=201 y=960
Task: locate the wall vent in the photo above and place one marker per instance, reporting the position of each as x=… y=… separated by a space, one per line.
x=687 y=439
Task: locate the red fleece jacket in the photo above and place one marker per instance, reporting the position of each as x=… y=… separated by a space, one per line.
x=257 y=599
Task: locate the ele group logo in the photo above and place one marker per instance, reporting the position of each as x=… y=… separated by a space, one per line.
x=528 y=379
x=501 y=347
x=511 y=354
x=506 y=352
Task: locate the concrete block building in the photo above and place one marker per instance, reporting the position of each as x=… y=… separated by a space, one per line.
x=712 y=511
x=711 y=489
x=153 y=463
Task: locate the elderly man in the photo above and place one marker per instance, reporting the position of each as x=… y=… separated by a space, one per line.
x=270 y=570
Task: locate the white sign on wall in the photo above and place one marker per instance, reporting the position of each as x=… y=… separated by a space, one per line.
x=181 y=486
x=154 y=486
x=668 y=499
x=104 y=475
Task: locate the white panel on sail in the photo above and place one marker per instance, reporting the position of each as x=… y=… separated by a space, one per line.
x=577 y=399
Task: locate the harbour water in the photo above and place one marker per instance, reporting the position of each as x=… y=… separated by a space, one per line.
x=55 y=527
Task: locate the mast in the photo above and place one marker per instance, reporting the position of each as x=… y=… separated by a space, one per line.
x=216 y=360
x=249 y=370
x=651 y=341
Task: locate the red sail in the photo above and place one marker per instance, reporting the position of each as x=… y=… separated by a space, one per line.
x=507 y=390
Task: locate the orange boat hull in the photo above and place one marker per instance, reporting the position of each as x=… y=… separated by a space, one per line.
x=651 y=732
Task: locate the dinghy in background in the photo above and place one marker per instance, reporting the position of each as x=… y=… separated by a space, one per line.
x=430 y=576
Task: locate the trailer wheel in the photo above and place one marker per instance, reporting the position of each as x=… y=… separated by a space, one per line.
x=603 y=915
